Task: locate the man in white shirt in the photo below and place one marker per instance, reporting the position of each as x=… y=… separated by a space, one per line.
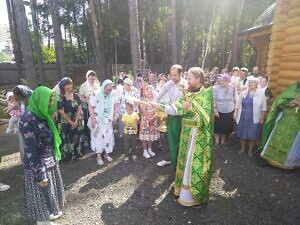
x=175 y=89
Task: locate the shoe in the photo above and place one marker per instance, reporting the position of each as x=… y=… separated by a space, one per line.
x=241 y=152
x=100 y=162
x=163 y=163
x=126 y=159
x=134 y=157
x=108 y=158
x=4 y=187
x=8 y=130
x=146 y=154
x=46 y=223
x=55 y=217
x=16 y=130
x=152 y=154
x=225 y=146
x=216 y=146
x=250 y=155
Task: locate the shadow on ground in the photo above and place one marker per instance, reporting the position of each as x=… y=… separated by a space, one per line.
x=243 y=191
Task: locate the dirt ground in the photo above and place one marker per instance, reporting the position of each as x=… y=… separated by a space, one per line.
x=243 y=191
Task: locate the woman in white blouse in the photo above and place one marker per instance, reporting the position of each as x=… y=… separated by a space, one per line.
x=249 y=115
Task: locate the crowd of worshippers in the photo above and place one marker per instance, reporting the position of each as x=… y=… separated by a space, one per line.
x=92 y=118
x=175 y=110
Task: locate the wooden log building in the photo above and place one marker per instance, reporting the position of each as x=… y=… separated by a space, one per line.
x=276 y=37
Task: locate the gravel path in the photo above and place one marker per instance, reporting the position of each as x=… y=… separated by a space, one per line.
x=243 y=191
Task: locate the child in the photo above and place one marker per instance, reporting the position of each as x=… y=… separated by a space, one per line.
x=14 y=110
x=149 y=124
x=130 y=120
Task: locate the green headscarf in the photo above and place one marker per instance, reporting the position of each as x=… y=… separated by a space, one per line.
x=39 y=105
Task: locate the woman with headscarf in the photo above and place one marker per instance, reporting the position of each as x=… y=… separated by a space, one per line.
x=22 y=94
x=101 y=109
x=70 y=121
x=281 y=133
x=44 y=192
x=224 y=106
x=127 y=91
x=86 y=89
x=250 y=111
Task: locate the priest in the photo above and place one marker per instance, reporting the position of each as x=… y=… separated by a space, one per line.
x=194 y=167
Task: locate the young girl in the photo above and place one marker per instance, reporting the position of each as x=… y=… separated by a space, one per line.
x=14 y=110
x=149 y=124
x=130 y=120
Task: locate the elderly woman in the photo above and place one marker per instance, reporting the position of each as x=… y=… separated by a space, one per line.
x=86 y=89
x=128 y=91
x=249 y=115
x=70 y=121
x=224 y=105
x=101 y=108
x=44 y=192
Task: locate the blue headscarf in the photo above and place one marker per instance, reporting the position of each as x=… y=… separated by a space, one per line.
x=105 y=102
x=63 y=82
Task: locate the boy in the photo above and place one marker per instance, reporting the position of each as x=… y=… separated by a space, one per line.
x=130 y=120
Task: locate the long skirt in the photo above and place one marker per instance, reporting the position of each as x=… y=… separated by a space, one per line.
x=224 y=123
x=40 y=202
x=102 y=138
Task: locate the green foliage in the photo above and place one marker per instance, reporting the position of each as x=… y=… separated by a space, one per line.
x=193 y=21
x=5 y=57
x=48 y=54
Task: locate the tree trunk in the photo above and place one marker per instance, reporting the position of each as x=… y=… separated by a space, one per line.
x=26 y=46
x=15 y=39
x=174 y=32
x=37 y=44
x=208 y=37
x=49 y=33
x=103 y=44
x=222 y=46
x=59 y=48
x=77 y=32
x=236 y=27
x=97 y=31
x=134 y=35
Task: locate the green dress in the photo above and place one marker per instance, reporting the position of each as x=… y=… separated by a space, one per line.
x=280 y=131
x=194 y=167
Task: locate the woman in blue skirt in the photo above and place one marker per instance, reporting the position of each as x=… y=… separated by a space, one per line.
x=249 y=115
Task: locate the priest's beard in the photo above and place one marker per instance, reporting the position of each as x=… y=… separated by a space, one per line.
x=194 y=87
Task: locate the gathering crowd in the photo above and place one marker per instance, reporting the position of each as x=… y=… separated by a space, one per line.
x=189 y=114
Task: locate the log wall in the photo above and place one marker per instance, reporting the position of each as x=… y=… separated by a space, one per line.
x=283 y=65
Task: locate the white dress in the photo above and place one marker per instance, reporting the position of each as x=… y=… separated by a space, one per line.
x=102 y=137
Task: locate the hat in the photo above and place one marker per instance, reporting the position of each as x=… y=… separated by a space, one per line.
x=235 y=68
x=225 y=77
x=252 y=78
x=244 y=69
x=89 y=72
x=9 y=94
x=64 y=81
x=128 y=81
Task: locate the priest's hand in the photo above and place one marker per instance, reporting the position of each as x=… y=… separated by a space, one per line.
x=186 y=105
